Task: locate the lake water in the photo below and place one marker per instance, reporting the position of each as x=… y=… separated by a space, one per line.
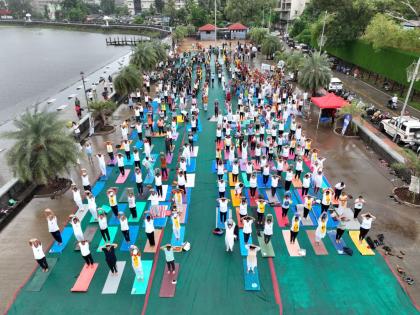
x=36 y=63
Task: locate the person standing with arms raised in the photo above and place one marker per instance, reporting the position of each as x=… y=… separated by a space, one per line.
x=39 y=254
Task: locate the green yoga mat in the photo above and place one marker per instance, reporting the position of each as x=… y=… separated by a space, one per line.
x=40 y=277
x=112 y=233
x=266 y=249
x=140 y=206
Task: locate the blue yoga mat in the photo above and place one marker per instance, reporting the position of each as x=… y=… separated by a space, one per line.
x=134 y=232
x=139 y=144
x=339 y=247
x=244 y=251
x=66 y=234
x=191 y=167
x=316 y=209
x=149 y=179
x=174 y=241
x=97 y=188
x=129 y=162
x=133 y=134
x=114 y=220
x=251 y=279
x=160 y=222
x=220 y=224
x=260 y=183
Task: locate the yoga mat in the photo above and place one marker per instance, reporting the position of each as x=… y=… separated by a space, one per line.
x=129 y=162
x=192 y=166
x=165 y=191
x=231 y=182
x=251 y=279
x=112 y=233
x=66 y=234
x=183 y=213
x=84 y=278
x=140 y=286
x=167 y=287
x=293 y=249
x=190 y=180
x=152 y=249
x=149 y=179
x=134 y=232
x=174 y=241
x=352 y=224
x=260 y=183
x=319 y=249
x=296 y=182
x=97 y=188
x=245 y=180
x=124 y=194
x=266 y=249
x=121 y=179
x=179 y=119
x=140 y=206
x=81 y=212
x=139 y=144
x=363 y=247
x=238 y=218
x=113 y=281
x=236 y=200
x=306 y=222
x=256 y=166
x=338 y=246
x=219 y=223
x=114 y=220
x=252 y=200
x=271 y=198
x=160 y=222
x=244 y=251
x=109 y=170
x=40 y=277
x=195 y=151
x=89 y=234
x=169 y=158
x=187 y=197
x=146 y=193
x=106 y=208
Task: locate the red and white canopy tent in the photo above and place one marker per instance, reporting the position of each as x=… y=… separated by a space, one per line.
x=329 y=101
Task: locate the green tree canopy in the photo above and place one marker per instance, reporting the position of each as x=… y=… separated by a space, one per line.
x=44 y=148
x=100 y=109
x=315 y=72
x=159 y=5
x=258 y=34
x=19 y=7
x=144 y=56
x=128 y=80
x=270 y=45
x=108 y=6
x=121 y=10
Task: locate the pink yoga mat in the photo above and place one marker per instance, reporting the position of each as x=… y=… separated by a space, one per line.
x=84 y=278
x=169 y=158
x=167 y=288
x=282 y=222
x=121 y=179
x=293 y=249
x=319 y=249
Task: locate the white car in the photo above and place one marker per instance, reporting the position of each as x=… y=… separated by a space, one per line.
x=335 y=85
x=406 y=130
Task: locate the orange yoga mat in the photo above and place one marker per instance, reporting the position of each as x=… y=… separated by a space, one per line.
x=238 y=218
x=319 y=249
x=152 y=249
x=84 y=278
x=236 y=199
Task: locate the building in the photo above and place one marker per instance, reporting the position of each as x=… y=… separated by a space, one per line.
x=237 y=31
x=47 y=6
x=289 y=10
x=207 y=32
x=146 y=4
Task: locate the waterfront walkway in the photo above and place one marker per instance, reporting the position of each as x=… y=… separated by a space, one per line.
x=210 y=280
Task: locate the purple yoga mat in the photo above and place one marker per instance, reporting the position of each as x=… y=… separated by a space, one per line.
x=167 y=288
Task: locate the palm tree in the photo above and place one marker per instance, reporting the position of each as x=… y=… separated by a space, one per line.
x=44 y=147
x=179 y=33
x=144 y=56
x=411 y=164
x=270 y=45
x=100 y=109
x=258 y=34
x=128 y=80
x=294 y=62
x=315 y=72
x=160 y=49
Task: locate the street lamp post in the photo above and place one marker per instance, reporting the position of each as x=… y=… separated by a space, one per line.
x=84 y=87
x=215 y=23
x=322 y=39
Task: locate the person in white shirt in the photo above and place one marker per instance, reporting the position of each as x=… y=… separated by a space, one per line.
x=235 y=171
x=150 y=230
x=139 y=180
x=136 y=262
x=222 y=188
x=247 y=229
x=338 y=188
x=251 y=258
x=358 y=206
x=186 y=153
x=181 y=181
x=243 y=208
x=366 y=225
x=77 y=228
x=85 y=251
x=39 y=254
x=288 y=179
x=327 y=198
x=253 y=184
x=268 y=228
x=230 y=235
x=318 y=181
x=158 y=183
x=103 y=225
x=125 y=229
x=92 y=204
x=77 y=197
x=53 y=226
x=223 y=209
x=274 y=184
x=154 y=203
x=249 y=170
x=112 y=199
x=136 y=156
x=298 y=168
x=85 y=179
x=110 y=151
x=120 y=163
x=131 y=199
x=102 y=164
x=306 y=183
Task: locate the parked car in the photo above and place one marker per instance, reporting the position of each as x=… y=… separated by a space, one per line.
x=335 y=85
x=406 y=130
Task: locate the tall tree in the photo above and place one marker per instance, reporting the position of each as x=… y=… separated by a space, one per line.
x=108 y=6
x=159 y=5
x=44 y=148
x=101 y=109
x=170 y=10
x=315 y=72
x=270 y=45
x=128 y=80
x=144 y=56
x=19 y=8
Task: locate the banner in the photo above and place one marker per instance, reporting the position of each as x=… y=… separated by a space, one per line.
x=347 y=119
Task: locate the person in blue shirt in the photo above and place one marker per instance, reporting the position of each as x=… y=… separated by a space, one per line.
x=169 y=257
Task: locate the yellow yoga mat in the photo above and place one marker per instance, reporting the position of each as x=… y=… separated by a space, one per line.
x=179 y=119
x=231 y=182
x=236 y=200
x=363 y=248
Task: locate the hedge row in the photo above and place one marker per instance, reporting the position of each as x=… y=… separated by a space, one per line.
x=388 y=62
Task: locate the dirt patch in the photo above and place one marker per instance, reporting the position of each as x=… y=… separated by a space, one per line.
x=104 y=130
x=59 y=187
x=349 y=132
x=408 y=229
x=404 y=195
